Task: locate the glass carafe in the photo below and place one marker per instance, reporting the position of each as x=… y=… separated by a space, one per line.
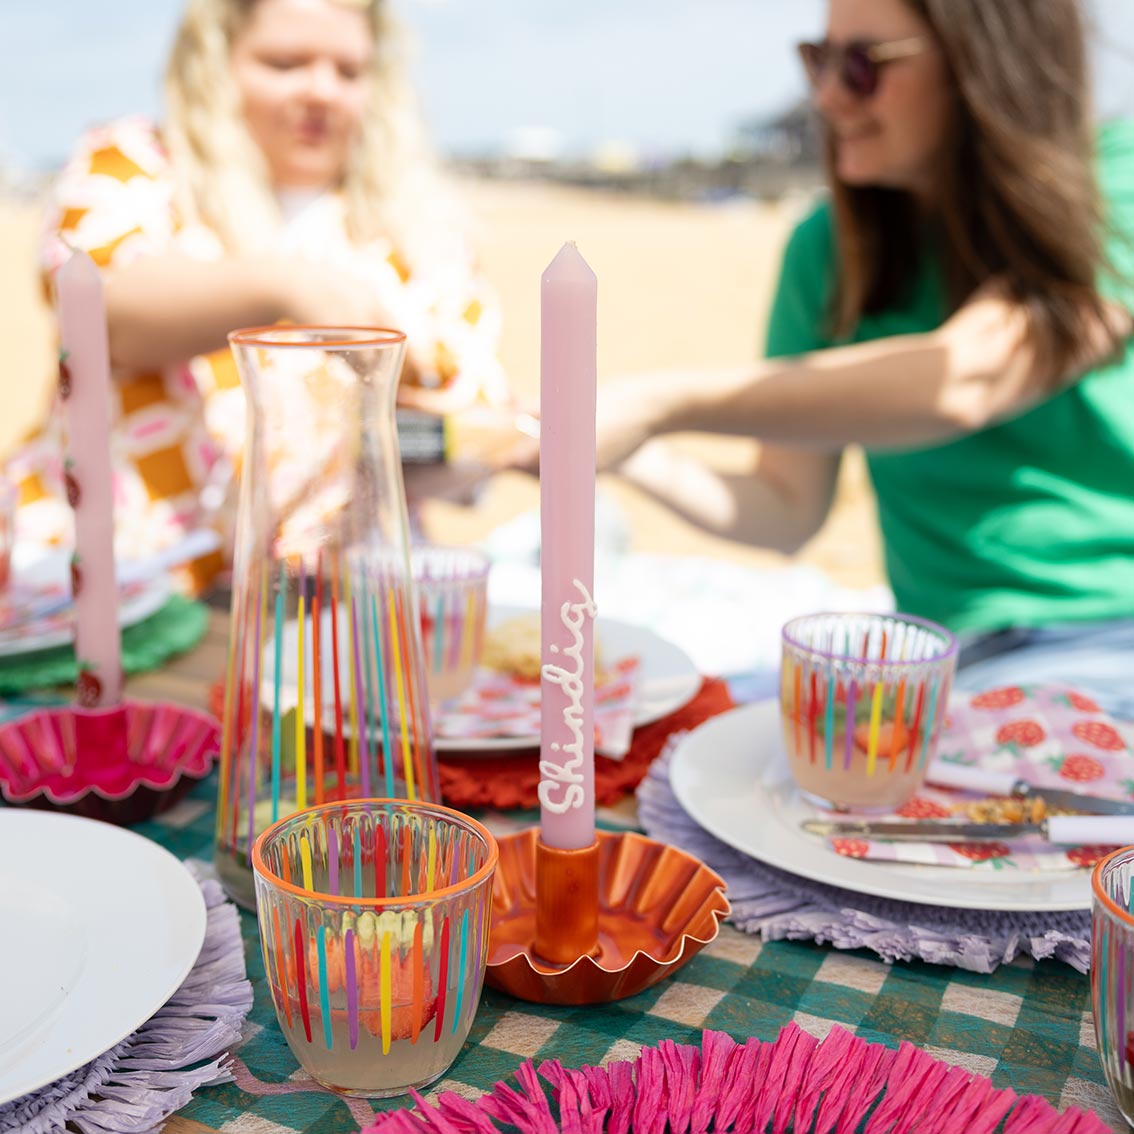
x=325 y=694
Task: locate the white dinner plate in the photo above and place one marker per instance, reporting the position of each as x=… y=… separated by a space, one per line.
x=56 y=627
x=731 y=776
x=667 y=679
x=98 y=928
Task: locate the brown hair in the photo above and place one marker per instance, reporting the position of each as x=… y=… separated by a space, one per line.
x=1018 y=196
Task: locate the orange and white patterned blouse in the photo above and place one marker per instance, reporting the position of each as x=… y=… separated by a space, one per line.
x=178 y=433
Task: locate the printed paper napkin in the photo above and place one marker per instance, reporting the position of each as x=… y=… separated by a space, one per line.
x=1048 y=736
x=33 y=610
x=502 y=706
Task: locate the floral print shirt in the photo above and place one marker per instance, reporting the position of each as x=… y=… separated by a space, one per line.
x=178 y=433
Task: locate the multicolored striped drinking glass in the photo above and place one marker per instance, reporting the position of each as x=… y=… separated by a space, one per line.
x=1112 y=972
x=863 y=700
x=452 y=595
x=374 y=919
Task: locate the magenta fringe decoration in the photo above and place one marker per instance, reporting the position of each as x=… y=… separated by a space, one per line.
x=796 y=1083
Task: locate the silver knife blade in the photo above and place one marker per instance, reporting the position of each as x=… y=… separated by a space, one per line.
x=970 y=778
x=1070 y=830
x=921 y=831
x=1073 y=800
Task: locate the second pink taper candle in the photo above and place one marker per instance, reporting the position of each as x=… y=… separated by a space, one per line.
x=568 y=340
x=85 y=389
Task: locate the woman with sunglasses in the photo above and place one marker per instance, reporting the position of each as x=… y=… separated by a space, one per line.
x=958 y=305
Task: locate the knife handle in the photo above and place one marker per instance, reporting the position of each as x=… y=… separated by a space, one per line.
x=1105 y=830
x=970 y=778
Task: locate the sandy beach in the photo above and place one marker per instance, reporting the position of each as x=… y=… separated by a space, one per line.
x=680 y=285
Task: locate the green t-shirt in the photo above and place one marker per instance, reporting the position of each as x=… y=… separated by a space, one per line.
x=1027 y=523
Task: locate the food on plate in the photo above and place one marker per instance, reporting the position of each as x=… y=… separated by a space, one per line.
x=513 y=646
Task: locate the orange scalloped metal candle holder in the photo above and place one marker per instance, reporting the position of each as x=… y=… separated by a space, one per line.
x=658 y=907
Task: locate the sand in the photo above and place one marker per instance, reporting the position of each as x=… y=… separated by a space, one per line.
x=680 y=285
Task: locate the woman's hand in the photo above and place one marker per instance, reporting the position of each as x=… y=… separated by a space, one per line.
x=630 y=411
x=336 y=295
x=164 y=309
x=312 y=292
x=455 y=481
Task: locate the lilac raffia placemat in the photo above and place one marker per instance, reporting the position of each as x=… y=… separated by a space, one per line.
x=779 y=905
x=794 y=1082
x=136 y=1085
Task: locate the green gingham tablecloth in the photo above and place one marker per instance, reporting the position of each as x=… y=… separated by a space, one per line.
x=1027 y=1026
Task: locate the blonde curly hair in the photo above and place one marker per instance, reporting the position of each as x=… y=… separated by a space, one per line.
x=391 y=185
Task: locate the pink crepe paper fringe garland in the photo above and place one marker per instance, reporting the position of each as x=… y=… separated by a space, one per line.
x=135 y=1086
x=839 y=1085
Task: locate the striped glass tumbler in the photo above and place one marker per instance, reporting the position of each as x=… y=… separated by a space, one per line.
x=374 y=918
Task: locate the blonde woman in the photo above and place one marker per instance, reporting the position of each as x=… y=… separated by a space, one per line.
x=290 y=180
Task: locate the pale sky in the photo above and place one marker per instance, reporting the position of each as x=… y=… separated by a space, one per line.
x=666 y=77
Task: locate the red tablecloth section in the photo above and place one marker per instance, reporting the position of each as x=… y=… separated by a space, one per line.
x=510 y=780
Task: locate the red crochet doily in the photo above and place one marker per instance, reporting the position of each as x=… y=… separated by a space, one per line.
x=510 y=780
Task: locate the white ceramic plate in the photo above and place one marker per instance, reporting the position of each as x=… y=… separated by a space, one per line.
x=731 y=776
x=667 y=679
x=98 y=928
x=53 y=626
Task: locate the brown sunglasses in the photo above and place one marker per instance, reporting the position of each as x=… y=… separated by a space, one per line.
x=858 y=63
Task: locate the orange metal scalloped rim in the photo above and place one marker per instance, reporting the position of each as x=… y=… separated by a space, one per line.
x=658 y=907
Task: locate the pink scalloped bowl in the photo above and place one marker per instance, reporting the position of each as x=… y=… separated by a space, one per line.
x=121 y=765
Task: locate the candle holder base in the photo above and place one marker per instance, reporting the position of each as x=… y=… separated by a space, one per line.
x=122 y=764
x=658 y=907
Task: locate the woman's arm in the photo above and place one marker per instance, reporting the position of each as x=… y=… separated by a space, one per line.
x=979 y=367
x=780 y=504
x=162 y=309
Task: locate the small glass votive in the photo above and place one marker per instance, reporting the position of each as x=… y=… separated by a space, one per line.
x=452 y=591
x=863 y=700
x=374 y=919
x=1112 y=973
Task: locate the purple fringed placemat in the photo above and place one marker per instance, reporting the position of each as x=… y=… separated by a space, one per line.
x=135 y=1086
x=795 y=1082
x=778 y=905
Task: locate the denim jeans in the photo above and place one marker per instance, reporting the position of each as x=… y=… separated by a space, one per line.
x=1095 y=657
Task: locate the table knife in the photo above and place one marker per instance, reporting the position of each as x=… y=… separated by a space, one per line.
x=1068 y=830
x=969 y=778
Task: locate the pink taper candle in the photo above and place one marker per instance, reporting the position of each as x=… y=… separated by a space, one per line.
x=569 y=297
x=84 y=382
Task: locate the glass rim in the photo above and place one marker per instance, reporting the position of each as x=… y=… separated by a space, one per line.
x=951 y=643
x=479 y=562
x=340 y=336
x=1108 y=903
x=260 y=868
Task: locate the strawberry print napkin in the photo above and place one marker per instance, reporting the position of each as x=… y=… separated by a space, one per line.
x=500 y=706
x=1048 y=736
